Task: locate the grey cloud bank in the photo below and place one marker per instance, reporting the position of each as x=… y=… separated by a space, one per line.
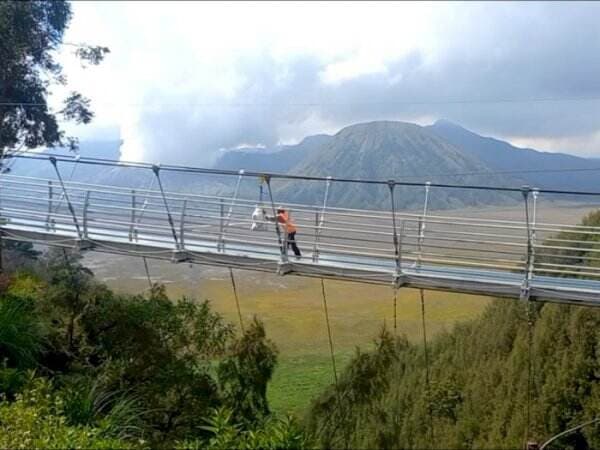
x=494 y=68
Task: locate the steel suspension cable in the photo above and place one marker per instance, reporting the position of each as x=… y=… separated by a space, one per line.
x=199 y=170
x=277 y=230
x=237 y=300
x=139 y=221
x=70 y=178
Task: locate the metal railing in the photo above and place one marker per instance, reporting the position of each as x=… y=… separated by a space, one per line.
x=530 y=257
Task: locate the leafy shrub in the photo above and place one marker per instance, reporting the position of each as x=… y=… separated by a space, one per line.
x=269 y=433
x=34 y=420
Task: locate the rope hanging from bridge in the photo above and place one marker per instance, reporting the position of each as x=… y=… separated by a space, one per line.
x=237 y=300
x=150 y=284
x=427 y=377
x=395 y=288
x=331 y=350
x=530 y=373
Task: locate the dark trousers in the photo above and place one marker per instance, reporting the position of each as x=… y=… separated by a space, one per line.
x=291 y=242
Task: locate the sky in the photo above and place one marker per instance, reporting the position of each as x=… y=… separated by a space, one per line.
x=183 y=81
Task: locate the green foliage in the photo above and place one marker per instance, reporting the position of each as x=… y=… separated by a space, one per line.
x=160 y=351
x=269 y=433
x=86 y=403
x=353 y=403
x=246 y=371
x=21 y=335
x=572 y=248
x=123 y=367
x=477 y=397
x=31 y=33
x=35 y=420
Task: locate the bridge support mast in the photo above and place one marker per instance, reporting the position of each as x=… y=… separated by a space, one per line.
x=530 y=221
x=320 y=221
x=398 y=272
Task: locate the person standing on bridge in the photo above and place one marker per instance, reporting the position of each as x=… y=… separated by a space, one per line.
x=290 y=229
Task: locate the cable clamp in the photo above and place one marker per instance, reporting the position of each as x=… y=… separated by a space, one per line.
x=399 y=280
x=180 y=256
x=525 y=292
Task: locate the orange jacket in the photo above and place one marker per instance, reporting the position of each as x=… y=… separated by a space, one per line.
x=284 y=219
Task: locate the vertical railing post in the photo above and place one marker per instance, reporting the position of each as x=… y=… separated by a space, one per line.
x=182 y=225
x=86 y=206
x=220 y=241
x=531 y=264
x=50 y=197
x=398 y=271
x=285 y=236
x=528 y=272
x=315 y=253
x=321 y=221
x=132 y=231
x=422 y=221
x=283 y=252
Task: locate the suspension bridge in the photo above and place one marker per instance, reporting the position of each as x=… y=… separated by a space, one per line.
x=423 y=249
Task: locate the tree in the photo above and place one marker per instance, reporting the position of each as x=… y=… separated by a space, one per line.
x=31 y=32
x=245 y=373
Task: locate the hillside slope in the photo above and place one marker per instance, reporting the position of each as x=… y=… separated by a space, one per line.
x=502 y=156
x=391 y=150
x=279 y=160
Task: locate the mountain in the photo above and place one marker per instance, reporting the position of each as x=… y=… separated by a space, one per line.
x=89 y=149
x=502 y=156
x=376 y=150
x=391 y=150
x=278 y=160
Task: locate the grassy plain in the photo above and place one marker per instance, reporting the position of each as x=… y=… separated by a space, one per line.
x=292 y=310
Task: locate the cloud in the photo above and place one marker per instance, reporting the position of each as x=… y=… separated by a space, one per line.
x=187 y=79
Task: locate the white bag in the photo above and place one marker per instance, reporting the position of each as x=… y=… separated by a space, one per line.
x=259 y=221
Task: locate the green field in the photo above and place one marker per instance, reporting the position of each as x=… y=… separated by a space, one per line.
x=292 y=310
